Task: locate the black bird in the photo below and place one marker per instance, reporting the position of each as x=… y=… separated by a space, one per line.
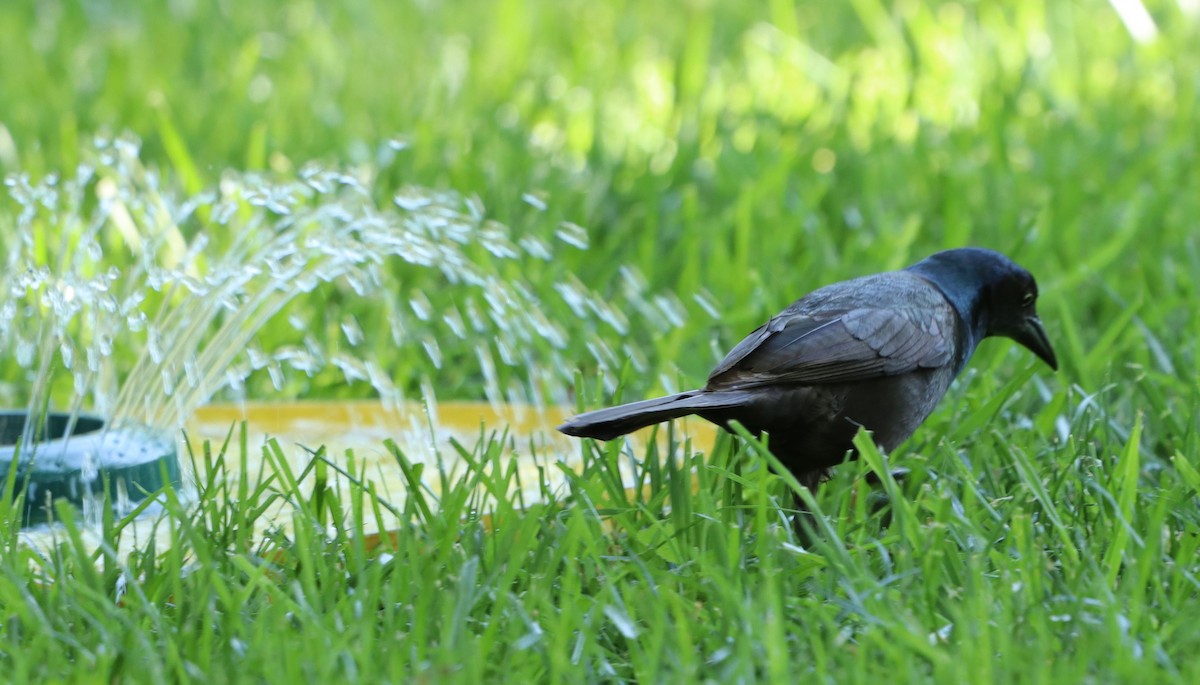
x=877 y=351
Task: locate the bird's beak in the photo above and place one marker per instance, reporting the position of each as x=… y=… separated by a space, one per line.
x=1033 y=337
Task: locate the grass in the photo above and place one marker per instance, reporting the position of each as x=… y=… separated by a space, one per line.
x=724 y=157
x=973 y=573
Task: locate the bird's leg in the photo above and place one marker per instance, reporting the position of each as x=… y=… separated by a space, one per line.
x=898 y=474
x=804 y=522
x=878 y=499
x=813 y=479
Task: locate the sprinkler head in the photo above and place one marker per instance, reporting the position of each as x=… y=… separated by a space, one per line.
x=83 y=461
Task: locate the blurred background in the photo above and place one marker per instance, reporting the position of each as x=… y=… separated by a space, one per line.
x=698 y=165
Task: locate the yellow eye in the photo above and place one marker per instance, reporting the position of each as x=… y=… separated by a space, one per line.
x=1027 y=301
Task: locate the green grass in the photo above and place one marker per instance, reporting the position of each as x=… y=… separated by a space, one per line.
x=974 y=573
x=730 y=156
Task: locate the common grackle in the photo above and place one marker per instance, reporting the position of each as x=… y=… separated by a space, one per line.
x=877 y=351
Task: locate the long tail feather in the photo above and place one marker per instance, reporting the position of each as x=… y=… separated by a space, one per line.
x=606 y=424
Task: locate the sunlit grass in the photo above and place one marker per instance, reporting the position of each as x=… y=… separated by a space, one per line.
x=974 y=569
x=724 y=158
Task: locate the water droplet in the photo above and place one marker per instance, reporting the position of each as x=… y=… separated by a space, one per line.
x=353 y=332
x=420 y=305
x=707 y=303
x=534 y=201
x=573 y=235
x=433 y=351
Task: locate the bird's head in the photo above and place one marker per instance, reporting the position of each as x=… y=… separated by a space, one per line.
x=993 y=295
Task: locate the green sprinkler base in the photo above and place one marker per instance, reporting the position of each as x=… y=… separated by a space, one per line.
x=82 y=461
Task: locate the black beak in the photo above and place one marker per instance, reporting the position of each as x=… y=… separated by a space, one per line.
x=1033 y=337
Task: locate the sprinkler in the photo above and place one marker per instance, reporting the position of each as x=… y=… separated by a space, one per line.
x=83 y=461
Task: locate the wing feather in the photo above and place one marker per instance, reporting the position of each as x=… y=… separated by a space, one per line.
x=839 y=346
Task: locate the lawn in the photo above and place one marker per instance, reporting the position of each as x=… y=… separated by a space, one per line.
x=637 y=185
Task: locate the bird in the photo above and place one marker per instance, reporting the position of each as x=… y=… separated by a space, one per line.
x=877 y=352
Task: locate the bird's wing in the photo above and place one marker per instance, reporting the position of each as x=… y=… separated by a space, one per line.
x=838 y=346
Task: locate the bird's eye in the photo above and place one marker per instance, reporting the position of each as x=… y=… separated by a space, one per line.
x=1027 y=301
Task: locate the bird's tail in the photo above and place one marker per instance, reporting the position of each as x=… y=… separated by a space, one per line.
x=606 y=424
